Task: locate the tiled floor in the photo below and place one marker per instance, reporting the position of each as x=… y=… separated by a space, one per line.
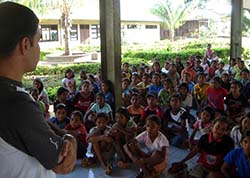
x=175 y=154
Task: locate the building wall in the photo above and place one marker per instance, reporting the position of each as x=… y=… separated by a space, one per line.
x=88 y=32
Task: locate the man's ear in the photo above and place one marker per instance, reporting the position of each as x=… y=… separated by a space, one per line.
x=24 y=45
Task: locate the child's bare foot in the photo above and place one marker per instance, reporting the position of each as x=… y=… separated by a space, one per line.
x=123 y=165
x=108 y=170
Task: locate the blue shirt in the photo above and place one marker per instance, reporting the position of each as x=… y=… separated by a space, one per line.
x=155 y=88
x=238 y=159
x=61 y=124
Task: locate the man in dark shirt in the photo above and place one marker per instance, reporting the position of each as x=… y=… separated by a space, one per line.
x=28 y=147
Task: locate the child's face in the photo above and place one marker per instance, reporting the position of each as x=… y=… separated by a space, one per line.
x=244 y=75
x=219 y=129
x=61 y=114
x=214 y=84
x=63 y=96
x=183 y=90
x=175 y=103
x=156 y=67
x=100 y=100
x=85 y=87
x=104 y=87
x=152 y=128
x=69 y=74
x=245 y=123
x=245 y=143
x=235 y=89
x=144 y=79
x=134 y=100
x=36 y=84
x=134 y=79
x=101 y=123
x=224 y=78
x=166 y=85
x=155 y=79
x=83 y=75
x=125 y=67
x=75 y=121
x=151 y=100
x=205 y=116
x=125 y=84
x=187 y=77
x=121 y=119
x=201 y=79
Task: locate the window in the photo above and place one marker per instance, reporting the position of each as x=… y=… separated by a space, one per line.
x=132 y=26
x=95 y=31
x=73 y=33
x=49 y=33
x=84 y=27
x=151 y=26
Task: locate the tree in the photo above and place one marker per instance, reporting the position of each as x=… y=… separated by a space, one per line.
x=173 y=13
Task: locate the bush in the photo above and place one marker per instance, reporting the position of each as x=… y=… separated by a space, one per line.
x=52 y=92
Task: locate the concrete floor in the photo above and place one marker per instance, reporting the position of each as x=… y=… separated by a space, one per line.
x=175 y=154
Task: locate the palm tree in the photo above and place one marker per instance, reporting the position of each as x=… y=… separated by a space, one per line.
x=173 y=13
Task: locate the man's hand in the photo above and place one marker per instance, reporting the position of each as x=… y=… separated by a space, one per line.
x=68 y=157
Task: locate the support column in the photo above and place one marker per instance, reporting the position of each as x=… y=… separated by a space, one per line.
x=236 y=29
x=110 y=30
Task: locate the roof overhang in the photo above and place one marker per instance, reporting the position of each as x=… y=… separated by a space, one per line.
x=246 y=4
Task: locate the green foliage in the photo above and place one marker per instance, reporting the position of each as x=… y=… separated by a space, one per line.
x=57 y=70
x=52 y=92
x=43 y=55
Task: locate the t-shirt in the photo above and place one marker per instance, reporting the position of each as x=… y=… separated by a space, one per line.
x=159 y=142
x=15 y=163
x=155 y=88
x=202 y=129
x=237 y=159
x=213 y=151
x=81 y=133
x=200 y=91
x=187 y=102
x=23 y=126
x=61 y=124
x=235 y=105
x=69 y=84
x=216 y=97
x=236 y=135
x=97 y=109
x=82 y=101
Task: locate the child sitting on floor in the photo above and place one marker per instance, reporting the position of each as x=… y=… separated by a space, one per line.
x=212 y=148
x=237 y=162
x=202 y=126
x=101 y=143
x=60 y=120
x=238 y=130
x=78 y=130
x=122 y=132
x=149 y=150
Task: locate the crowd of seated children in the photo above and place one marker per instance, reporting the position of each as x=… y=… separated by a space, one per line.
x=168 y=97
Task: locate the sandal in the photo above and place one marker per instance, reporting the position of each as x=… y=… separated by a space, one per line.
x=88 y=162
x=108 y=169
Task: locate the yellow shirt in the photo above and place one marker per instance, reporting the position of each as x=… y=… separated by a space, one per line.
x=200 y=91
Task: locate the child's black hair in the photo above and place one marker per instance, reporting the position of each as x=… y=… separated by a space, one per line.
x=61 y=90
x=77 y=113
x=242 y=118
x=221 y=119
x=123 y=111
x=154 y=118
x=184 y=85
x=101 y=115
x=217 y=79
x=245 y=134
x=176 y=95
x=100 y=94
x=84 y=82
x=60 y=106
x=210 y=111
x=69 y=70
x=38 y=80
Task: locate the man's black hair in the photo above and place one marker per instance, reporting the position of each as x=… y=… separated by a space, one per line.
x=16 y=22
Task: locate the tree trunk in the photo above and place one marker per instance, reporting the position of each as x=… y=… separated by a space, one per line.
x=171 y=34
x=66 y=42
